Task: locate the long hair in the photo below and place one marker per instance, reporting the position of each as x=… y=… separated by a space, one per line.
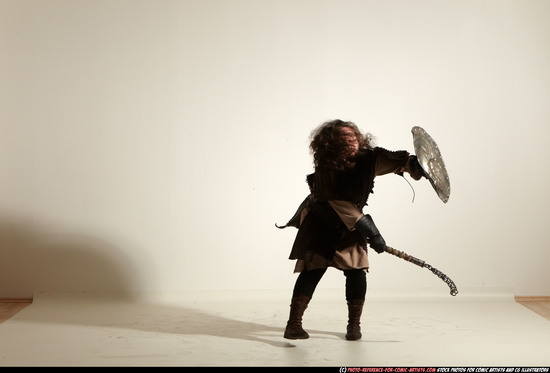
x=327 y=146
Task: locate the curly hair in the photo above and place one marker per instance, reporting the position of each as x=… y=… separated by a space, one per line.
x=327 y=146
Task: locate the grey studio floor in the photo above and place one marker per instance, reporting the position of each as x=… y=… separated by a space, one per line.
x=245 y=328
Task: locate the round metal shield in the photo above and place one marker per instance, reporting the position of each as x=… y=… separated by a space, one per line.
x=430 y=160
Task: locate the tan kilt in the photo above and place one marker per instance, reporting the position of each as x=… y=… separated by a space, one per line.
x=353 y=256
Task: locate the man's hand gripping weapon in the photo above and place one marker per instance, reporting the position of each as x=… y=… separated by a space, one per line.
x=371 y=234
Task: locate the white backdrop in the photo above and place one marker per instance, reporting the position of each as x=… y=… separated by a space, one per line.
x=152 y=145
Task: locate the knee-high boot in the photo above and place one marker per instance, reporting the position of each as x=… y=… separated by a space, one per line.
x=355 y=309
x=294 y=328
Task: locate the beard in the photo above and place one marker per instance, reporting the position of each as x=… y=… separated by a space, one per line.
x=353 y=155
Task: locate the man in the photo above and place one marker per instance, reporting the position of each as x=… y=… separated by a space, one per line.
x=332 y=229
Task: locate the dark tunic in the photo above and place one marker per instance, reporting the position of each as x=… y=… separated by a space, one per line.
x=321 y=230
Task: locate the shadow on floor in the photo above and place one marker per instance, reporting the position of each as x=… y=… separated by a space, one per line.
x=169 y=319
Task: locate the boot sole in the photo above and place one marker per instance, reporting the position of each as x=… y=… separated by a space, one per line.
x=294 y=337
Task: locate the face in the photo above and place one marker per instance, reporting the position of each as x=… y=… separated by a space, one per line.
x=352 y=144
